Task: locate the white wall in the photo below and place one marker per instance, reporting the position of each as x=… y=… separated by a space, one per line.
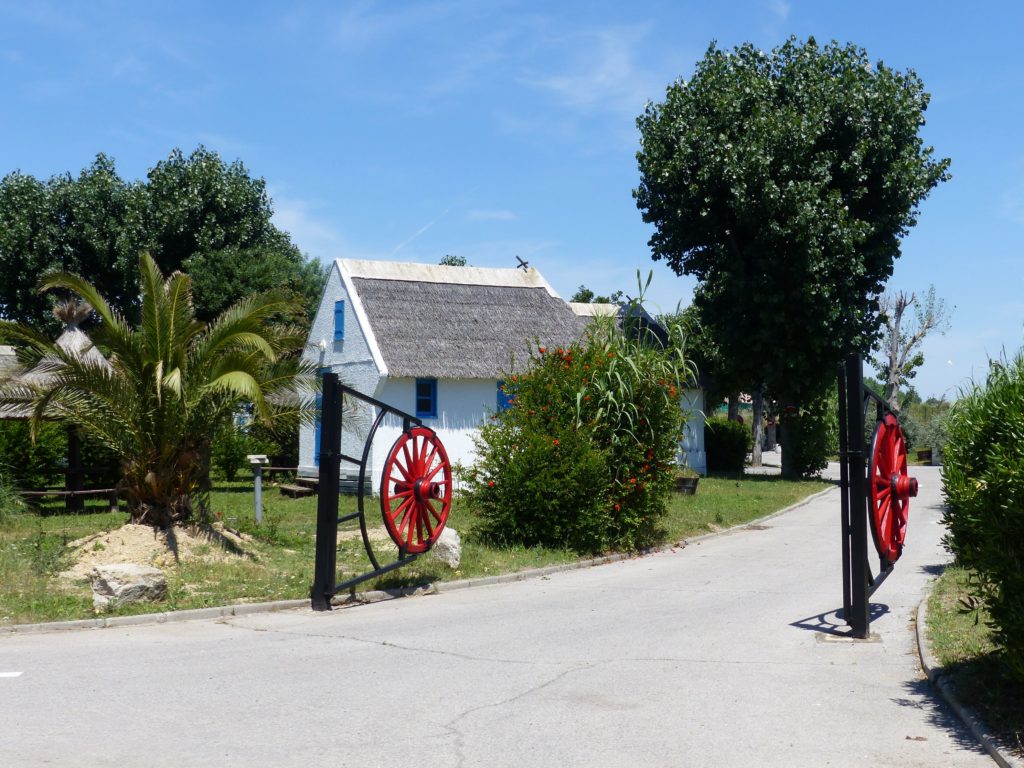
x=462 y=406
x=350 y=358
x=691 y=449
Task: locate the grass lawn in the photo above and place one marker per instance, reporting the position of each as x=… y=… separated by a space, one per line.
x=961 y=643
x=33 y=548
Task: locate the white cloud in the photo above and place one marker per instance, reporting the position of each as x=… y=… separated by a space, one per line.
x=780 y=9
x=604 y=74
x=312 y=234
x=490 y=215
x=419 y=231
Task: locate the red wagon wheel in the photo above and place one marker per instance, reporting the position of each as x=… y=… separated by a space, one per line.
x=416 y=490
x=889 y=488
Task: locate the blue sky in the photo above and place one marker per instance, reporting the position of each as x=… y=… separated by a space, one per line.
x=489 y=130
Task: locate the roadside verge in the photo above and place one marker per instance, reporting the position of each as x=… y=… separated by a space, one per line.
x=375 y=596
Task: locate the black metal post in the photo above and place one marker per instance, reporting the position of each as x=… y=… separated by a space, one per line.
x=858 y=615
x=324 y=569
x=844 y=486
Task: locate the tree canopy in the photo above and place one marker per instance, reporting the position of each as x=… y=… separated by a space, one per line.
x=584 y=295
x=194 y=213
x=784 y=181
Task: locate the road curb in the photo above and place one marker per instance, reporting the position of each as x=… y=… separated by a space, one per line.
x=165 y=617
x=377 y=596
x=940 y=680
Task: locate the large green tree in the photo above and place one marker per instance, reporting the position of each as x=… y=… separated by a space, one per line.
x=783 y=182
x=195 y=213
x=89 y=224
x=167 y=384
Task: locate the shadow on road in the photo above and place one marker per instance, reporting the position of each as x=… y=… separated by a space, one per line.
x=921 y=695
x=833 y=623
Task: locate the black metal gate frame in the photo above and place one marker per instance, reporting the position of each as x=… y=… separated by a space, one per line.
x=325 y=584
x=858 y=581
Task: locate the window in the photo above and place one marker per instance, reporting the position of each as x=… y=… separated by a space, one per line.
x=339 y=320
x=426 y=398
x=504 y=401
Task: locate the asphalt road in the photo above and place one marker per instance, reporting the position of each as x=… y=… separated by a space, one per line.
x=721 y=653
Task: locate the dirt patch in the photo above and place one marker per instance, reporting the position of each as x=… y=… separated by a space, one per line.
x=144 y=545
x=377 y=534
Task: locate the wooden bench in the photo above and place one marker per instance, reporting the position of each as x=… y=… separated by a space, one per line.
x=111 y=493
x=296 y=491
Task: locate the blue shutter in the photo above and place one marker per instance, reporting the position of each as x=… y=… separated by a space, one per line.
x=339 y=320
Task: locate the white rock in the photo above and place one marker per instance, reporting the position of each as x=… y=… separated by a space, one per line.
x=126 y=583
x=448 y=548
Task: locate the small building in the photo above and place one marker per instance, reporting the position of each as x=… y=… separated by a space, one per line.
x=434 y=341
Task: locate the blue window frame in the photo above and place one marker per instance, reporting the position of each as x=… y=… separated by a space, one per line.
x=426 y=398
x=339 y=320
x=504 y=400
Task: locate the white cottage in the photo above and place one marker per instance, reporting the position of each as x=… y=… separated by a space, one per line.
x=434 y=341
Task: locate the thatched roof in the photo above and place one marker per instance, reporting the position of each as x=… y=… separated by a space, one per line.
x=9 y=370
x=73 y=341
x=460 y=322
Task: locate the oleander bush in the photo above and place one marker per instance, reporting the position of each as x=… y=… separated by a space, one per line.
x=983 y=480
x=585 y=455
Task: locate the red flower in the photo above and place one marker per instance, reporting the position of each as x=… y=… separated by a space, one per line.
x=586 y=397
x=555 y=441
x=632 y=481
x=617 y=507
x=542 y=350
x=490 y=483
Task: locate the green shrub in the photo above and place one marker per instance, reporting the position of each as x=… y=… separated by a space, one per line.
x=726 y=444
x=585 y=456
x=911 y=430
x=228 y=451
x=543 y=491
x=35 y=464
x=983 y=479
x=935 y=433
x=807 y=437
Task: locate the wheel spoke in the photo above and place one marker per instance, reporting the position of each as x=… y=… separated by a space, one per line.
x=429 y=461
x=435 y=470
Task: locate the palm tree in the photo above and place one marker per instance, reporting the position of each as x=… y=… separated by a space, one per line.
x=163 y=388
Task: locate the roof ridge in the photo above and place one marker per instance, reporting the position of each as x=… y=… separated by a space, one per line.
x=416 y=272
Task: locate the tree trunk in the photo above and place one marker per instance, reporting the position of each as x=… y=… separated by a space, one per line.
x=734 y=407
x=758 y=426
